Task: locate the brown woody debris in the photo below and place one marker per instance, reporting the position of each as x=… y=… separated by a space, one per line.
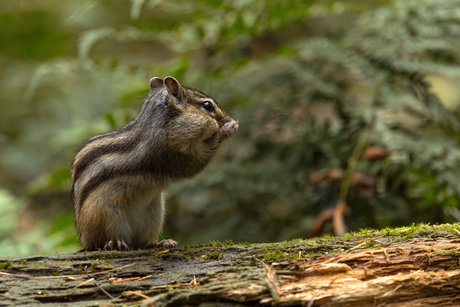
x=375 y=152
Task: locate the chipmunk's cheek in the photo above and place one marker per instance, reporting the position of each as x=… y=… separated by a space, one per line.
x=209 y=130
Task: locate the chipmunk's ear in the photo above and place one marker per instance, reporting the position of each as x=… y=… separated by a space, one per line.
x=156 y=83
x=174 y=87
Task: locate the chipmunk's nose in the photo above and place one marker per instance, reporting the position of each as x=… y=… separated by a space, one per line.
x=225 y=119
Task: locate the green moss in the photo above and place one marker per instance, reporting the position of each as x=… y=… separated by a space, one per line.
x=245 y=244
x=6 y=265
x=412 y=231
x=192 y=254
x=450 y=252
x=297 y=241
x=200 y=245
x=213 y=255
x=309 y=255
x=216 y=243
x=287 y=243
x=369 y=244
x=56 y=273
x=289 y=250
x=185 y=248
x=106 y=263
x=274 y=254
x=212 y=244
x=229 y=243
x=24 y=261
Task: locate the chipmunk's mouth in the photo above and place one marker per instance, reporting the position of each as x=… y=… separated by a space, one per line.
x=227 y=126
x=225 y=120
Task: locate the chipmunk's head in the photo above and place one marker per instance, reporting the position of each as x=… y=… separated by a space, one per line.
x=187 y=99
x=192 y=108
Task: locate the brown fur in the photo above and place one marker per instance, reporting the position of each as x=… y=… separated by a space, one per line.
x=118 y=177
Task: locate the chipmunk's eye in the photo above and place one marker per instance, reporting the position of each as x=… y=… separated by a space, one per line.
x=207 y=105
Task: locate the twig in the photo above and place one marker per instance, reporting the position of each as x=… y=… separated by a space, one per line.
x=162 y=252
x=139 y=294
x=337 y=218
x=321 y=218
x=353 y=161
x=125 y=280
x=85 y=282
x=371 y=240
x=357 y=246
x=338 y=221
x=105 y=292
x=144 y=278
x=64 y=276
x=271 y=282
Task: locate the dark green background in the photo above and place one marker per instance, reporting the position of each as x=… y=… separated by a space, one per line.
x=305 y=78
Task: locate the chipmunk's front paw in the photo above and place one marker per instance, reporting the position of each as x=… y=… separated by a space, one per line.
x=229 y=128
x=117 y=244
x=167 y=243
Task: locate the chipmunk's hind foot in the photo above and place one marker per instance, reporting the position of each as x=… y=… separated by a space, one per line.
x=167 y=243
x=117 y=244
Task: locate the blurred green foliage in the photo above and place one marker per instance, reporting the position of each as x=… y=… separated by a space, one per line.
x=304 y=78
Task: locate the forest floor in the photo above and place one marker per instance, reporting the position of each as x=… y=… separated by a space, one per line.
x=409 y=266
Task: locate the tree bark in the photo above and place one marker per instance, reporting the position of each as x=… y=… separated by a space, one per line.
x=385 y=271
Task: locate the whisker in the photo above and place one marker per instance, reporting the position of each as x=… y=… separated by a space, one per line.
x=210 y=88
x=231 y=142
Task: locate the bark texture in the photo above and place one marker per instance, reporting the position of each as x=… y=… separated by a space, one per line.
x=387 y=271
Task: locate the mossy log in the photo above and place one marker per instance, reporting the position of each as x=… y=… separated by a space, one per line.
x=412 y=266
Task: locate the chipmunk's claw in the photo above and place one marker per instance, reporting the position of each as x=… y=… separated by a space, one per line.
x=117 y=244
x=167 y=243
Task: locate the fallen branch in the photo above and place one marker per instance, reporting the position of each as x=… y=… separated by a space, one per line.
x=73 y=277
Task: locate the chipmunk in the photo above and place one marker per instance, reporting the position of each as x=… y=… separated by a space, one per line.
x=118 y=178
